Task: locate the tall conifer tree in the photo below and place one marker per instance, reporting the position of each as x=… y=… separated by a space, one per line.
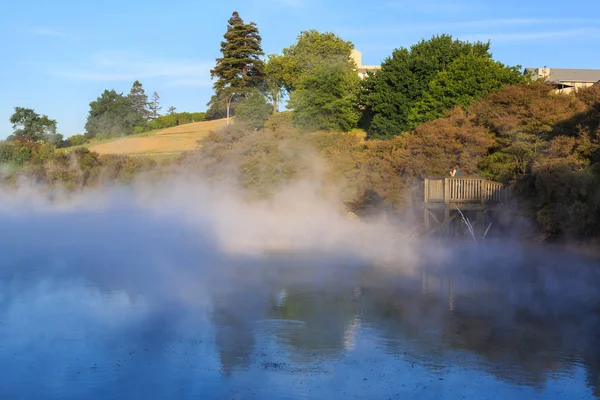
x=240 y=70
x=139 y=100
x=154 y=106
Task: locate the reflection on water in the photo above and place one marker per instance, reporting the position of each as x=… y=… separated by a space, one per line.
x=524 y=332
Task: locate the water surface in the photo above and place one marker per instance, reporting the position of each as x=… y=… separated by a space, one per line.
x=296 y=328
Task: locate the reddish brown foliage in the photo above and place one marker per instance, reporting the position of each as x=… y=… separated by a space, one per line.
x=435 y=147
x=531 y=109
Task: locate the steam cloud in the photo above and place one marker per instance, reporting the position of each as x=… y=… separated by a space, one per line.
x=181 y=244
x=153 y=237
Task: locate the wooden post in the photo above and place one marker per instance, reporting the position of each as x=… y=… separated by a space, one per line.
x=426 y=190
x=426 y=220
x=484 y=191
x=446 y=190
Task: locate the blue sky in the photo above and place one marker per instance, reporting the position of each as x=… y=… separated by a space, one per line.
x=58 y=56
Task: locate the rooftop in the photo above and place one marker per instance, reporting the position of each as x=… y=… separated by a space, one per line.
x=566 y=74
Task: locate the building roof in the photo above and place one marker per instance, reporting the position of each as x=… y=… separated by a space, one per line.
x=570 y=75
x=574 y=75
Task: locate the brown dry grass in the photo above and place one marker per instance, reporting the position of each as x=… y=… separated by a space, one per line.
x=171 y=140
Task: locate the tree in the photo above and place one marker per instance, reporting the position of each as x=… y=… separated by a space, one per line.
x=154 y=106
x=111 y=115
x=139 y=101
x=29 y=126
x=275 y=79
x=312 y=50
x=390 y=94
x=254 y=111
x=171 y=110
x=321 y=77
x=466 y=79
x=240 y=70
x=326 y=99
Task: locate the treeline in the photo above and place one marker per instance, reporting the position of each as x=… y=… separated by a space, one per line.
x=115 y=114
x=319 y=77
x=111 y=115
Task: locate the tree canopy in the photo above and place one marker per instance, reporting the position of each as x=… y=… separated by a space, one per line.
x=139 y=100
x=419 y=84
x=321 y=77
x=326 y=99
x=467 y=78
x=29 y=126
x=240 y=70
x=112 y=114
x=311 y=51
x=275 y=70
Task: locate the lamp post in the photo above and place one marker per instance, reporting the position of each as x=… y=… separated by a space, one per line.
x=228 y=105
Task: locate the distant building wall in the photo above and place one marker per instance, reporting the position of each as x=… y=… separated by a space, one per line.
x=362 y=69
x=573 y=86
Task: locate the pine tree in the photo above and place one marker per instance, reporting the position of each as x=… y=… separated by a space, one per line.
x=139 y=100
x=154 y=106
x=240 y=70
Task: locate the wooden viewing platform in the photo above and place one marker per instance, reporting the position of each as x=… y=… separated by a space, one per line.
x=444 y=197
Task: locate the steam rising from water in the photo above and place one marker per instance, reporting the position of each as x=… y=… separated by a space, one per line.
x=170 y=238
x=130 y=269
x=297 y=219
x=177 y=239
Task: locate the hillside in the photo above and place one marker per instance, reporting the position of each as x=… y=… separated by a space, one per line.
x=166 y=141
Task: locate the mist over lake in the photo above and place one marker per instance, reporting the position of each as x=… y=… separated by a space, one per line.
x=180 y=291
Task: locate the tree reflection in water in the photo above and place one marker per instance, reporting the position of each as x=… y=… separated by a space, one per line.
x=523 y=329
x=278 y=329
x=234 y=333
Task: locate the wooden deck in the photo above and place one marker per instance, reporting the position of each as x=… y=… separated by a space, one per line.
x=446 y=198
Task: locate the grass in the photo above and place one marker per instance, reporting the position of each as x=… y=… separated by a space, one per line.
x=162 y=143
x=165 y=142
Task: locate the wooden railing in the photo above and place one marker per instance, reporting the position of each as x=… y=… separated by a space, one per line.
x=463 y=190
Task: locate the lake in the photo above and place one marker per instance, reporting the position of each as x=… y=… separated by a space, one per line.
x=472 y=326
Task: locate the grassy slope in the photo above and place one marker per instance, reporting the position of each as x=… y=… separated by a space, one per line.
x=164 y=143
x=161 y=142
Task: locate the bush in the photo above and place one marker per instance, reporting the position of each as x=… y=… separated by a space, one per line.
x=77 y=140
x=254 y=111
x=14 y=153
x=280 y=122
x=167 y=121
x=42 y=152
